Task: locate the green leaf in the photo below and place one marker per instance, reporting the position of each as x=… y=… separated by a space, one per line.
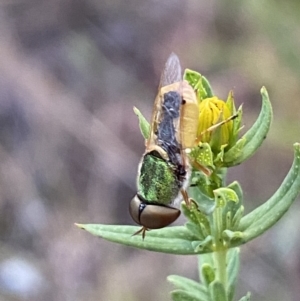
x=265 y=216
x=179 y=295
x=172 y=240
x=198 y=218
x=208 y=274
x=217 y=291
x=235 y=186
x=233 y=238
x=188 y=285
x=199 y=83
x=226 y=200
x=206 y=85
x=233 y=259
x=216 y=138
x=204 y=202
x=237 y=218
x=236 y=125
x=230 y=103
x=192 y=77
x=224 y=195
x=239 y=208
x=202 y=154
x=258 y=132
x=246 y=298
x=143 y=123
x=234 y=153
x=196 y=229
x=203 y=246
x=205 y=258
x=227 y=203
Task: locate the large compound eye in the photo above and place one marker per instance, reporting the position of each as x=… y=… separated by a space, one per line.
x=152 y=216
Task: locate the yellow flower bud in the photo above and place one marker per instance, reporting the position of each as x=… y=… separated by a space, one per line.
x=211 y=112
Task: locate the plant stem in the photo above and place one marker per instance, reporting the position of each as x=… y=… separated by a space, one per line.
x=220 y=250
x=220 y=265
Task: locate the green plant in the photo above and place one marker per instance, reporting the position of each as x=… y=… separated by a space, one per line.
x=216 y=225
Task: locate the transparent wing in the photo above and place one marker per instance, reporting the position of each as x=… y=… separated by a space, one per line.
x=172 y=71
x=170 y=81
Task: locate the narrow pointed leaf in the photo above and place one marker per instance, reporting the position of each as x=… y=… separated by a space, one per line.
x=207 y=87
x=204 y=202
x=208 y=274
x=205 y=258
x=237 y=217
x=202 y=154
x=230 y=102
x=236 y=122
x=199 y=83
x=233 y=154
x=172 y=240
x=192 y=77
x=233 y=238
x=189 y=285
x=198 y=218
x=204 y=246
x=195 y=230
x=217 y=291
x=238 y=190
x=202 y=259
x=179 y=295
x=224 y=195
x=266 y=215
x=143 y=123
x=258 y=132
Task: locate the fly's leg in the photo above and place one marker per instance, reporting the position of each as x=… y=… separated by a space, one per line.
x=186 y=197
x=142 y=230
x=215 y=126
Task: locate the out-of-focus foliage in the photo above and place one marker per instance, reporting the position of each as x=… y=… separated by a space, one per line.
x=71 y=71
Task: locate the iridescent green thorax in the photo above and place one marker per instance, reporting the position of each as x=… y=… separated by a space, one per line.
x=157 y=182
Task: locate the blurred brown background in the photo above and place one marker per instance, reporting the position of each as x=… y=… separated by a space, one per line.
x=70 y=73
